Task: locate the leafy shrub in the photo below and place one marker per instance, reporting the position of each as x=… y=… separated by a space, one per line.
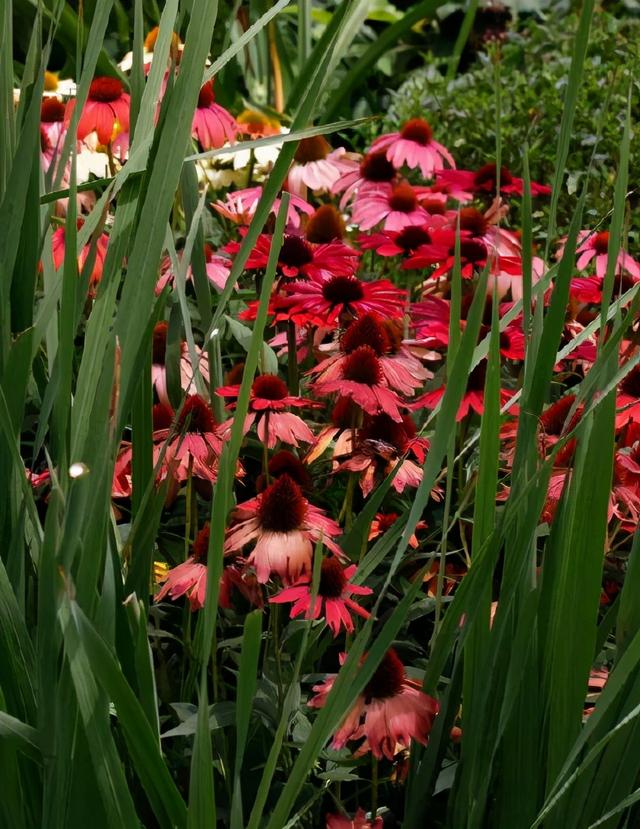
x=532 y=66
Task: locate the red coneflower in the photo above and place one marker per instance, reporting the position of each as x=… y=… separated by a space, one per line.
x=402 y=371
x=392 y=711
x=361 y=379
x=462 y=184
x=212 y=125
x=327 y=301
x=403 y=242
x=267 y=403
x=472 y=400
x=384 y=521
x=106 y=111
x=628 y=400
x=283 y=527
x=333 y=600
x=359 y=821
x=380 y=444
x=415 y=147
x=300 y=258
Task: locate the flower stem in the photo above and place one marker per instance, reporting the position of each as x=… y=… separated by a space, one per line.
x=278 y=92
x=346 y=512
x=292 y=359
x=265 y=449
x=188 y=509
x=374 y=787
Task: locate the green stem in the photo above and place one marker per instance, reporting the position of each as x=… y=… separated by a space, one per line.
x=374 y=787
x=292 y=359
x=275 y=618
x=265 y=449
x=187 y=528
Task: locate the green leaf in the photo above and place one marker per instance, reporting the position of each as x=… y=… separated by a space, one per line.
x=246 y=688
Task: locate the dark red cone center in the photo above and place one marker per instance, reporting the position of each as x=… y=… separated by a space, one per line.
x=332 y=578
x=403 y=199
x=388 y=678
x=342 y=290
x=312 y=149
x=282 y=506
x=362 y=366
x=105 y=90
x=417 y=130
x=295 y=252
x=269 y=387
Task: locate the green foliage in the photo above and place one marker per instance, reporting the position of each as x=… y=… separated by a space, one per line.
x=533 y=63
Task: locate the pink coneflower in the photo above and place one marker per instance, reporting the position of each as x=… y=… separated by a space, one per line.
x=380 y=444
x=212 y=125
x=317 y=166
x=106 y=111
x=240 y=206
x=197 y=450
x=300 y=258
x=392 y=711
x=52 y=130
x=341 y=298
x=463 y=184
x=217 y=269
x=344 y=416
x=361 y=379
x=284 y=527
x=58 y=249
x=373 y=172
x=595 y=246
x=284 y=462
x=398 y=206
x=402 y=371
x=189 y=578
x=267 y=409
x=415 y=147
x=359 y=821
x=187 y=373
x=333 y=601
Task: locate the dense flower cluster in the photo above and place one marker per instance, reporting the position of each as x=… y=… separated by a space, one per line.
x=360 y=320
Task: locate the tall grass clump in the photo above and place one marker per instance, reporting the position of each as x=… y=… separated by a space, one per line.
x=321 y=476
